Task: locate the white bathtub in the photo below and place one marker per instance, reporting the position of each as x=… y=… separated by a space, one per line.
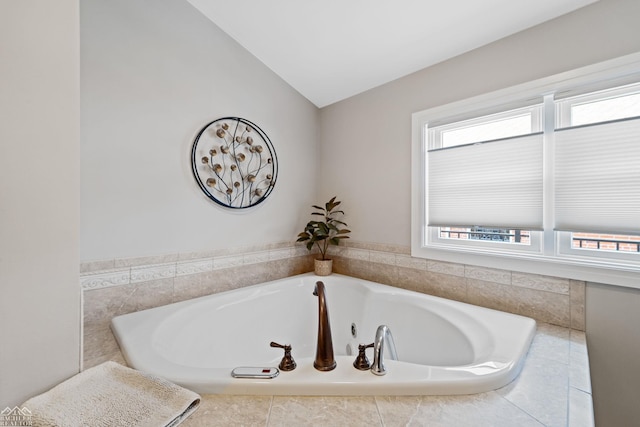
x=444 y=347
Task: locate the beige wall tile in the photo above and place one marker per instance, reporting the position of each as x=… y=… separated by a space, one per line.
x=577 y=292
x=357 y=268
x=100 y=305
x=99 y=345
x=152 y=272
x=255 y=257
x=382 y=273
x=91 y=266
x=279 y=253
x=448 y=286
x=279 y=245
x=382 y=257
x=446 y=268
x=105 y=279
x=412 y=279
x=149 y=295
x=196 y=285
x=249 y=275
x=184 y=268
x=381 y=247
x=290 y=267
x=407 y=261
x=489 y=294
x=494 y=275
x=357 y=254
x=544 y=306
x=190 y=256
x=541 y=283
x=336 y=251
x=301 y=250
x=146 y=261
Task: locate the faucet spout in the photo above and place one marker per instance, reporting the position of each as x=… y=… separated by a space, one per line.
x=383 y=340
x=325 y=360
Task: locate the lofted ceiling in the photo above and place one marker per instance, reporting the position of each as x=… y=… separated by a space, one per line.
x=334 y=49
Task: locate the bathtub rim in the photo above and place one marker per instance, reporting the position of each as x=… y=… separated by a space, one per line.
x=401 y=380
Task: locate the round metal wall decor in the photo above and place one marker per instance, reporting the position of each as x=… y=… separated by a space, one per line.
x=234 y=162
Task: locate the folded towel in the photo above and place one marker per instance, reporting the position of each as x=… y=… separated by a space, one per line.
x=112 y=395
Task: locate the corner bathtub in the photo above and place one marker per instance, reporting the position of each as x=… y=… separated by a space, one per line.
x=443 y=346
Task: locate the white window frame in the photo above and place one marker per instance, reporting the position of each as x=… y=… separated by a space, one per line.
x=550 y=259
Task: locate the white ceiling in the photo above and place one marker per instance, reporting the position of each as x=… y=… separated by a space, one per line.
x=333 y=49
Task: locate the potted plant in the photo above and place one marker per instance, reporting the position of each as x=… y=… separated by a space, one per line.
x=326 y=231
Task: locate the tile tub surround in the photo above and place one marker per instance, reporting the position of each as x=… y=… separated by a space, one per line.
x=120 y=286
x=545 y=298
x=123 y=271
x=142 y=283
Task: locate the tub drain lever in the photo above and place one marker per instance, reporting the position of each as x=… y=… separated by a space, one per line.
x=287 y=363
x=361 y=362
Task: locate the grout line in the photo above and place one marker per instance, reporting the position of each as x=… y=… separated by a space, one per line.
x=375 y=401
x=269 y=412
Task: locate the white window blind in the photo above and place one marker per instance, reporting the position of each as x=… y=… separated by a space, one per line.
x=597 y=178
x=492 y=184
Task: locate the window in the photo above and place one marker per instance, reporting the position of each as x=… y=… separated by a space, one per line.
x=492 y=127
x=501 y=235
x=614 y=111
x=493 y=163
x=605 y=242
x=550 y=179
x=600 y=106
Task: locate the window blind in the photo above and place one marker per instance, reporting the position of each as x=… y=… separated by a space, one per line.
x=597 y=178
x=492 y=184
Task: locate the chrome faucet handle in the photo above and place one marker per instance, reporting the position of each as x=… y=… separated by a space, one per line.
x=361 y=362
x=287 y=363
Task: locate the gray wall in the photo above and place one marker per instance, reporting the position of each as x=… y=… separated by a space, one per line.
x=39 y=181
x=613 y=339
x=153 y=73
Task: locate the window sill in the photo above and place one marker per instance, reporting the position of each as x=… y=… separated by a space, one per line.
x=617 y=274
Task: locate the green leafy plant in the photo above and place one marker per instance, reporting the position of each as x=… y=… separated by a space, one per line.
x=327 y=231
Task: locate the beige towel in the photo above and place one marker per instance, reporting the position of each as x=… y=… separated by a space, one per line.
x=112 y=395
